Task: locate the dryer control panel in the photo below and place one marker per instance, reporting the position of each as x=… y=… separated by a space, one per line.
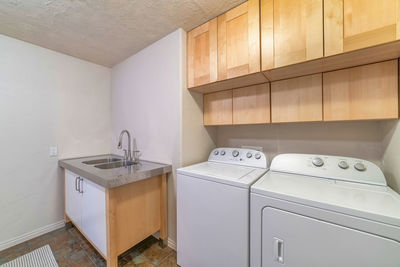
x=330 y=167
x=239 y=156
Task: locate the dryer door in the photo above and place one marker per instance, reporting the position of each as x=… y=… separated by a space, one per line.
x=294 y=240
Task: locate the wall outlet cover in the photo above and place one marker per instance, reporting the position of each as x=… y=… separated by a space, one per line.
x=53 y=151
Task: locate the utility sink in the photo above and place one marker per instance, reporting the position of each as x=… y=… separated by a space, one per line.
x=100 y=161
x=113 y=165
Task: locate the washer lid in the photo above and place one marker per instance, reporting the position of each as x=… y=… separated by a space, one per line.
x=379 y=203
x=241 y=176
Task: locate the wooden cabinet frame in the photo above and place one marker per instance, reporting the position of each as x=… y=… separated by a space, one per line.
x=351 y=25
x=133 y=212
x=202 y=54
x=291 y=32
x=236 y=57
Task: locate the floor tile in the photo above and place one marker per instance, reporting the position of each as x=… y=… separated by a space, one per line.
x=156 y=254
x=71 y=249
x=170 y=261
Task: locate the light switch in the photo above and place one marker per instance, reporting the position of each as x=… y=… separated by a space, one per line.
x=53 y=151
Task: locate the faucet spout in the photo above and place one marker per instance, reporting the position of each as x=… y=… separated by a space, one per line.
x=127 y=156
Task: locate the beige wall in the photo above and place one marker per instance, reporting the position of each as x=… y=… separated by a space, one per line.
x=147 y=100
x=391 y=152
x=377 y=141
x=46 y=99
x=353 y=139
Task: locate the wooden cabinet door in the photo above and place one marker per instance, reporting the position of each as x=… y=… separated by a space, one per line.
x=355 y=24
x=239 y=41
x=297 y=99
x=291 y=32
x=73 y=199
x=202 y=54
x=218 y=108
x=94 y=214
x=361 y=93
x=251 y=104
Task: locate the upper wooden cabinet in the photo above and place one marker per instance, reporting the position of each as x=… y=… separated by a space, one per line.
x=362 y=93
x=297 y=99
x=291 y=32
x=355 y=24
x=251 y=105
x=239 y=41
x=202 y=54
x=217 y=108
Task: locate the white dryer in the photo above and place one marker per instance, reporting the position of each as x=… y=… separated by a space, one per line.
x=213 y=200
x=324 y=211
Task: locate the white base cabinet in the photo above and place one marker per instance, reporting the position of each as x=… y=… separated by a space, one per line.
x=85 y=205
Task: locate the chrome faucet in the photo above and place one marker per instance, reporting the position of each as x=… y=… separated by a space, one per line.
x=127 y=154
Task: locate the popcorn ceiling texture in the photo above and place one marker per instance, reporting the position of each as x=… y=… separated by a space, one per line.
x=103 y=31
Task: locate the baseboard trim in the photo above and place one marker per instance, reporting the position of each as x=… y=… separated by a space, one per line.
x=35 y=233
x=171 y=244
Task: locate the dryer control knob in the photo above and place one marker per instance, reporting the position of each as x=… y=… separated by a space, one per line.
x=249 y=155
x=360 y=167
x=343 y=164
x=235 y=153
x=216 y=152
x=318 y=162
x=223 y=152
x=257 y=156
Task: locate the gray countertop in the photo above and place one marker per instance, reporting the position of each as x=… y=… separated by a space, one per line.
x=110 y=178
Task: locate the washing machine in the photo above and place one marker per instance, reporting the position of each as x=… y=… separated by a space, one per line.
x=213 y=202
x=324 y=211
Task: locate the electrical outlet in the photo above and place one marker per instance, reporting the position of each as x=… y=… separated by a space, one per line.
x=53 y=151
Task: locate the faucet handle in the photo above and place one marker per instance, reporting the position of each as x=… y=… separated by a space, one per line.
x=125 y=154
x=136 y=155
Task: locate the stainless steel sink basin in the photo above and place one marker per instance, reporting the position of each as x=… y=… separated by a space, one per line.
x=100 y=161
x=113 y=165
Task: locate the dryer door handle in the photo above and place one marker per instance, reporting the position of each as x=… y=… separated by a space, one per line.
x=278 y=250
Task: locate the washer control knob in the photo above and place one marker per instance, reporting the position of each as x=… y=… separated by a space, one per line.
x=257 y=156
x=360 y=167
x=216 y=152
x=318 y=162
x=222 y=152
x=249 y=155
x=235 y=153
x=343 y=164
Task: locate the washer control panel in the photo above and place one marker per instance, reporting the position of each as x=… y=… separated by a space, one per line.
x=239 y=156
x=331 y=167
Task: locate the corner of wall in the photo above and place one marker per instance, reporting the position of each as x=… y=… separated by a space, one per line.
x=196 y=140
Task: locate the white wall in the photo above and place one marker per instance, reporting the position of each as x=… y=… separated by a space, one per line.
x=46 y=99
x=352 y=139
x=146 y=100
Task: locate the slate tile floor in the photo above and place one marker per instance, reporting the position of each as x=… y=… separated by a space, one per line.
x=70 y=248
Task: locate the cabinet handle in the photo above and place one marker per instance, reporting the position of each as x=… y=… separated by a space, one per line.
x=80 y=185
x=76 y=184
x=278 y=250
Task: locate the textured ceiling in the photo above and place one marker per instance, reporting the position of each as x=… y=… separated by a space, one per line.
x=103 y=31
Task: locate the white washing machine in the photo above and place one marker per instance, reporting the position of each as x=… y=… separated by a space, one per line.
x=213 y=200
x=324 y=211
